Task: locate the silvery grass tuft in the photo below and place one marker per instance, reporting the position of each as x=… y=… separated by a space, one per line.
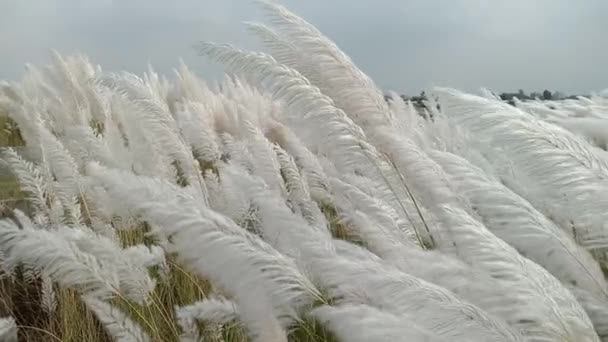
x=291 y=202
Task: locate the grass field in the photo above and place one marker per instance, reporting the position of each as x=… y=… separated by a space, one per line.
x=292 y=202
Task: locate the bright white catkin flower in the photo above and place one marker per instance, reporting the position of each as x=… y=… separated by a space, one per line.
x=47 y=293
x=555 y=170
x=365 y=323
x=31 y=179
x=381 y=285
x=517 y=222
x=214 y=311
x=135 y=282
x=116 y=323
x=267 y=286
x=58 y=258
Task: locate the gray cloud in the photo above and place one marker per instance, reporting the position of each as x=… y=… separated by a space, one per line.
x=403 y=45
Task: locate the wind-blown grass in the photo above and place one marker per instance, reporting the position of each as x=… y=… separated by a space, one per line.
x=291 y=202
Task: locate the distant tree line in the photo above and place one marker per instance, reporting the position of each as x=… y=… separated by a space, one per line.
x=545 y=95
x=416 y=100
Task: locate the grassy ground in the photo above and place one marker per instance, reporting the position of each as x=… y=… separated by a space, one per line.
x=8 y=135
x=10 y=194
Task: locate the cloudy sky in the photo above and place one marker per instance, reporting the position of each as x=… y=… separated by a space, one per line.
x=405 y=45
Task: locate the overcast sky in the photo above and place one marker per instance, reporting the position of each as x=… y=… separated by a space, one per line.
x=404 y=45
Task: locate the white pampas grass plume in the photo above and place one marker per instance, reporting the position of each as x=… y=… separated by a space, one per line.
x=116 y=323
x=47 y=293
x=135 y=282
x=58 y=258
x=597 y=309
x=551 y=310
x=31 y=179
x=556 y=171
x=363 y=323
x=216 y=311
x=517 y=222
x=230 y=256
x=373 y=283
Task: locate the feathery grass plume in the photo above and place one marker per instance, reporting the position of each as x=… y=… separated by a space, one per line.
x=336 y=74
x=189 y=85
x=142 y=151
x=47 y=294
x=466 y=282
x=349 y=88
x=226 y=117
x=251 y=104
x=129 y=143
x=146 y=256
x=279 y=229
x=381 y=230
x=443 y=135
x=443 y=270
x=319 y=124
x=30 y=179
x=214 y=311
x=58 y=258
x=281 y=49
x=87 y=146
x=8 y=329
x=318 y=112
x=406 y=118
x=304 y=103
x=425 y=181
x=298 y=194
x=226 y=198
x=265 y=163
x=350 y=250
x=375 y=284
x=417 y=218
x=358 y=322
x=593 y=130
x=439 y=196
x=65 y=78
x=116 y=323
x=236 y=151
x=62 y=166
x=550 y=309
x=518 y=223
x=57 y=92
x=307 y=162
x=218 y=249
x=161 y=128
x=469 y=282
x=597 y=309
x=433 y=307
x=490 y=94
x=552 y=168
x=134 y=281
x=196 y=127
x=24 y=113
